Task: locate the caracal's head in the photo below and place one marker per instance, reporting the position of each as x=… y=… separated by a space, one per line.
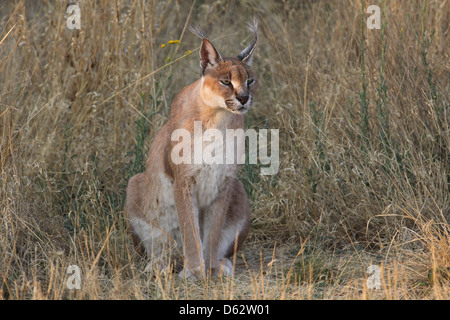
x=227 y=83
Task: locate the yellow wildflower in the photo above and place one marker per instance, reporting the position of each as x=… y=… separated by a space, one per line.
x=173 y=42
x=163 y=45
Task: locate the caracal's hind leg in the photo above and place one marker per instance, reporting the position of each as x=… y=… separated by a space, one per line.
x=236 y=227
x=149 y=240
x=134 y=210
x=156 y=247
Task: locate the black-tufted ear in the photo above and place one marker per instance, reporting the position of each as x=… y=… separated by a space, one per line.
x=209 y=56
x=247 y=54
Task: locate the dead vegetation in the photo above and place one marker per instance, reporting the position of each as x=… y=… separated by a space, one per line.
x=364 y=146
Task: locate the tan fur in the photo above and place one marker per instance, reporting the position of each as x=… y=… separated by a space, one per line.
x=194 y=213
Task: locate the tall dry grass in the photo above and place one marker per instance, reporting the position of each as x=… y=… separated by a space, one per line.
x=364 y=145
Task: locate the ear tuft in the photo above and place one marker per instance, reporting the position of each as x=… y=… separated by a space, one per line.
x=247 y=54
x=197 y=31
x=209 y=56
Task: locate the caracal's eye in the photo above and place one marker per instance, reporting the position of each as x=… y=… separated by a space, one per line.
x=225 y=82
x=250 y=81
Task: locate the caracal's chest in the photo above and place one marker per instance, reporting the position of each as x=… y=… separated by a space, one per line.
x=210 y=181
x=213 y=174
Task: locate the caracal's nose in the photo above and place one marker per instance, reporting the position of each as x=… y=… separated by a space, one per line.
x=242 y=98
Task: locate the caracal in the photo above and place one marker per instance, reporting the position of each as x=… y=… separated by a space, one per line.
x=190 y=214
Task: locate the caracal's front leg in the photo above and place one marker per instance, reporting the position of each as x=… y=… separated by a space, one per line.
x=213 y=220
x=188 y=217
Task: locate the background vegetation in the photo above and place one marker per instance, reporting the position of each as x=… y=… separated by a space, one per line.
x=364 y=145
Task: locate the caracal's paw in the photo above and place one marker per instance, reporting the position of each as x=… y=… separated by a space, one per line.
x=226 y=268
x=163 y=269
x=193 y=273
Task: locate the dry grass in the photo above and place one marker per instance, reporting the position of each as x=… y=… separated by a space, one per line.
x=364 y=146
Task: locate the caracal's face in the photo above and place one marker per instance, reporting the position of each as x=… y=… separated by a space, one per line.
x=230 y=85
